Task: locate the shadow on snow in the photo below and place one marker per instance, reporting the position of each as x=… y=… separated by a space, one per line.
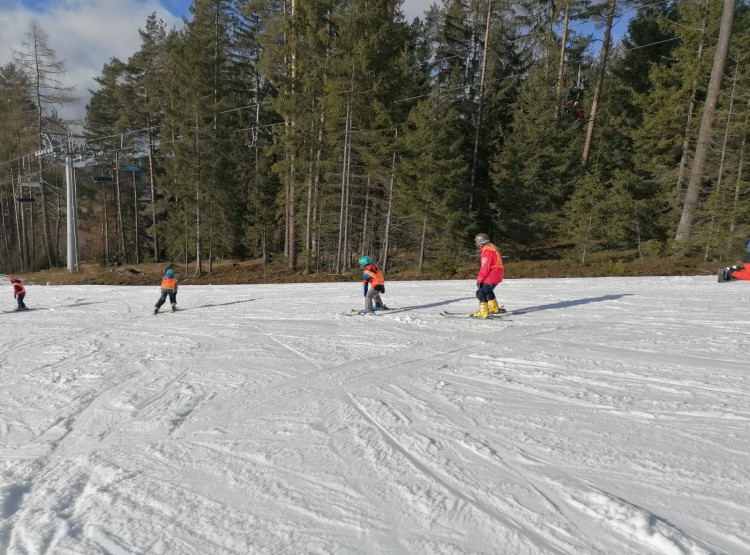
x=568 y=304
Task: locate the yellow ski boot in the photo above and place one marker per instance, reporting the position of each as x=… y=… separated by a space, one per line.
x=483 y=312
x=494 y=308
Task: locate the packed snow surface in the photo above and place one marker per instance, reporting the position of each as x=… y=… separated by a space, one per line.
x=613 y=417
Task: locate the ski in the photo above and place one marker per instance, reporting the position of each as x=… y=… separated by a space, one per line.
x=500 y=316
x=173 y=311
x=358 y=312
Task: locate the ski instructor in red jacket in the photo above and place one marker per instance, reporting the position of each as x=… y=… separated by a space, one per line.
x=738 y=271
x=491 y=273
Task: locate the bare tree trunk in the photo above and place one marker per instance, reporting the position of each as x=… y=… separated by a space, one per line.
x=740 y=169
x=312 y=194
x=286 y=215
x=292 y=230
x=105 y=227
x=316 y=187
x=20 y=227
x=704 y=134
x=561 y=63
x=6 y=244
x=198 y=237
x=363 y=243
x=292 y=205
x=682 y=168
x=135 y=222
x=342 y=208
x=599 y=80
x=586 y=241
x=59 y=218
x=386 y=245
x=32 y=233
x=422 y=246
x=118 y=203
x=722 y=158
x=480 y=109
x=308 y=212
x=152 y=179
x=347 y=203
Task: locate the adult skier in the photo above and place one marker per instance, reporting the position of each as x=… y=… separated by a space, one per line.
x=738 y=271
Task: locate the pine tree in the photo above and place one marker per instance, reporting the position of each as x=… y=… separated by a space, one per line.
x=199 y=185
x=103 y=113
x=141 y=95
x=432 y=179
x=16 y=139
x=692 y=193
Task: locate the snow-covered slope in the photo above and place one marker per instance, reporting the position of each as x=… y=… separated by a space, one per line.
x=612 y=418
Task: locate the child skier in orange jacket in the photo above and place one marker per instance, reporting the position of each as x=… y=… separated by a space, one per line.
x=168 y=288
x=373 y=284
x=19 y=292
x=491 y=273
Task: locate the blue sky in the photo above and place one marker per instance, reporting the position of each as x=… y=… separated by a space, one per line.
x=175 y=7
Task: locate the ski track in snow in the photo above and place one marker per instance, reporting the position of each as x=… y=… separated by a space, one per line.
x=613 y=417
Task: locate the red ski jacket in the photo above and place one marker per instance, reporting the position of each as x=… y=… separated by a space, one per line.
x=18 y=289
x=491 y=270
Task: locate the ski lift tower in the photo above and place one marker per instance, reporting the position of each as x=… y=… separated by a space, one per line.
x=58 y=145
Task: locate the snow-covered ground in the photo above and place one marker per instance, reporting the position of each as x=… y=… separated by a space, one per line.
x=612 y=418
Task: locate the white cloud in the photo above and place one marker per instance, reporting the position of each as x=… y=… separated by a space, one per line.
x=84 y=33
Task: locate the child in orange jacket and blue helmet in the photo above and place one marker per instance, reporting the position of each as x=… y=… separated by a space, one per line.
x=19 y=292
x=168 y=289
x=373 y=284
x=491 y=273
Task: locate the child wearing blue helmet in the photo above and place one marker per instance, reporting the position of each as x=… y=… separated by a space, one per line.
x=373 y=284
x=168 y=288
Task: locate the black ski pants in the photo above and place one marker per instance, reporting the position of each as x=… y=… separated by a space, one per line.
x=172 y=294
x=486 y=292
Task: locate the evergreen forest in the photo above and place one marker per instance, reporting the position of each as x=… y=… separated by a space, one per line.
x=311 y=132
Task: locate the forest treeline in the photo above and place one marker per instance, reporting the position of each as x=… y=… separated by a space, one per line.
x=321 y=130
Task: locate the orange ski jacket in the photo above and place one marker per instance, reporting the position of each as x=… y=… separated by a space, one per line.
x=373 y=276
x=169 y=284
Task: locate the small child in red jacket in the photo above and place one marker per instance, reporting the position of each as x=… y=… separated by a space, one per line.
x=491 y=273
x=19 y=292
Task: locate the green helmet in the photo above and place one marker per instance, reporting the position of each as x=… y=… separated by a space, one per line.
x=365 y=260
